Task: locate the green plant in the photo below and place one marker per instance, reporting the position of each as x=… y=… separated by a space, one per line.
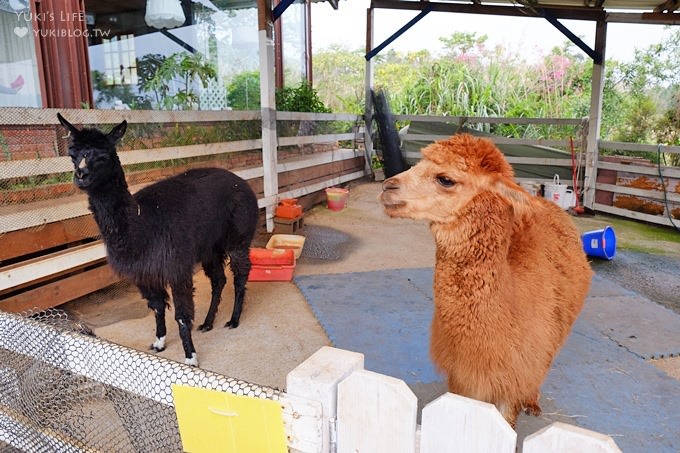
x=303 y=98
x=376 y=162
x=243 y=93
x=182 y=69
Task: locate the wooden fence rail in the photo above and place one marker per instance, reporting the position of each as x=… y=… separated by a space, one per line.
x=637 y=189
x=45 y=222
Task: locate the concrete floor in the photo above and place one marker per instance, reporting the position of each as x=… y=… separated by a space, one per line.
x=278 y=330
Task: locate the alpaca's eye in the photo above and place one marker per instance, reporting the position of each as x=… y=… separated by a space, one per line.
x=445 y=182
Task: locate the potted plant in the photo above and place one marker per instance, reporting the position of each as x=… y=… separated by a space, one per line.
x=378 y=167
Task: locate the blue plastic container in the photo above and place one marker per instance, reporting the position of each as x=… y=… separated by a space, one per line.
x=600 y=243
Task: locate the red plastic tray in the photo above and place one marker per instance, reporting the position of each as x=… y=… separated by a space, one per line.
x=272 y=257
x=271 y=274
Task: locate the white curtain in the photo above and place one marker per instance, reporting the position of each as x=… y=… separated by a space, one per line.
x=19 y=85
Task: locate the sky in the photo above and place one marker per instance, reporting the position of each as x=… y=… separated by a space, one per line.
x=528 y=36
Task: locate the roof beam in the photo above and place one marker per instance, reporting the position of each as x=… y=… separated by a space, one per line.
x=583 y=13
x=280 y=8
x=375 y=51
x=595 y=56
x=517 y=11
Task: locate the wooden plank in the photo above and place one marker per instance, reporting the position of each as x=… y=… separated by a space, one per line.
x=61 y=291
x=21 y=273
x=639 y=147
x=309 y=139
x=31 y=240
x=31 y=117
x=563 y=437
x=302 y=191
x=496 y=140
x=184 y=152
x=311 y=116
x=488 y=120
x=513 y=160
x=41 y=213
x=667 y=172
x=657 y=219
x=376 y=413
x=455 y=423
x=316 y=159
x=45 y=212
x=34 y=167
x=655 y=194
x=62 y=164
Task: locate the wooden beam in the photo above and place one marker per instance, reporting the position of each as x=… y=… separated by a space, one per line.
x=21 y=116
x=32 y=240
x=61 y=291
x=595 y=116
x=657 y=219
x=268 y=105
x=38 y=268
x=654 y=194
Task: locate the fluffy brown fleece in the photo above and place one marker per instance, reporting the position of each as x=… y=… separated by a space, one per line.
x=510 y=274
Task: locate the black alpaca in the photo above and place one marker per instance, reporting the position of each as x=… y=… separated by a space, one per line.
x=156 y=236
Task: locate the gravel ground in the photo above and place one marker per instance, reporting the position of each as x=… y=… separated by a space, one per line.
x=653 y=276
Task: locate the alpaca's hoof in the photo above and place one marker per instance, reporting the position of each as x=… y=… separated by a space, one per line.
x=193 y=361
x=231 y=324
x=205 y=327
x=158 y=345
x=533 y=409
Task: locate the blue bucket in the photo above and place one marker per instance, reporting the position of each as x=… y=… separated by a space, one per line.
x=600 y=243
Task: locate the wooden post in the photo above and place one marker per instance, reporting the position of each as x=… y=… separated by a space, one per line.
x=376 y=413
x=370 y=73
x=595 y=119
x=454 y=423
x=268 y=106
x=317 y=379
x=562 y=437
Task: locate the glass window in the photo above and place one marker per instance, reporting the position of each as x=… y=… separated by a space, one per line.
x=210 y=62
x=19 y=82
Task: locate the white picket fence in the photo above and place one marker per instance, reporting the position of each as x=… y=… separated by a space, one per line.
x=363 y=411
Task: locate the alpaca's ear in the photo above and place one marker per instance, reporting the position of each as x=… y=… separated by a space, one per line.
x=67 y=125
x=117 y=132
x=519 y=199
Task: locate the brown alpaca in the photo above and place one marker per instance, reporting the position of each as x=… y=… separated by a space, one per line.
x=510 y=275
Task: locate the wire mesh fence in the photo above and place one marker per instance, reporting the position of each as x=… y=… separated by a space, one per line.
x=63 y=389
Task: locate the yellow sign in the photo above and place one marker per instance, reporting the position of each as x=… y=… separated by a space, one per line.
x=214 y=421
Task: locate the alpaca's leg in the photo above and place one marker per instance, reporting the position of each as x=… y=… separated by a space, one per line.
x=157 y=301
x=183 y=300
x=239 y=262
x=214 y=269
